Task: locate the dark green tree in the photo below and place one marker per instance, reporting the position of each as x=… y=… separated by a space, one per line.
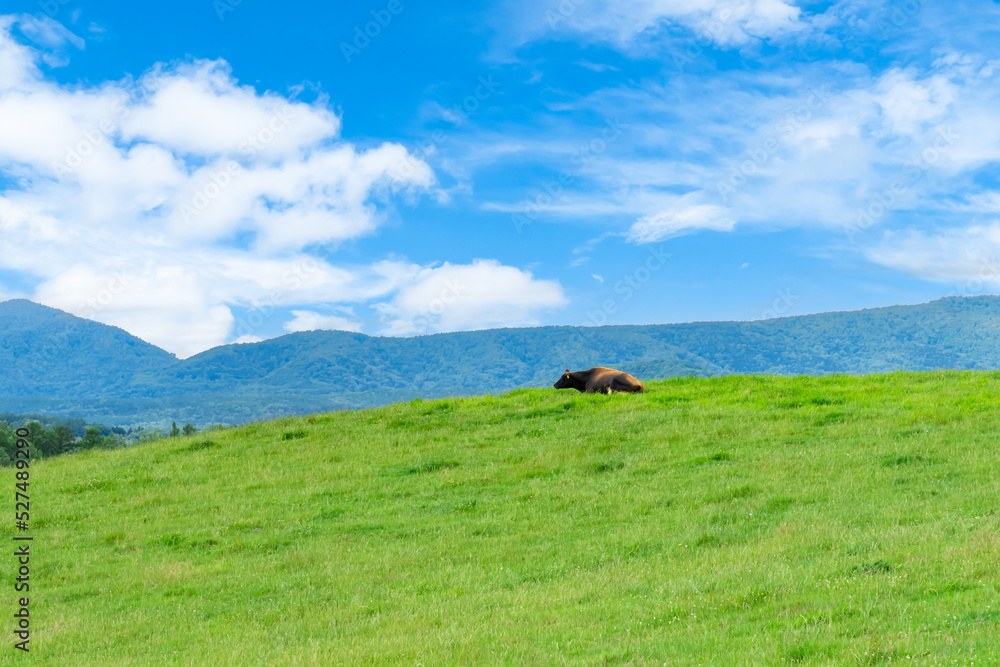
x=63 y=439
x=189 y=429
x=174 y=431
x=40 y=439
x=92 y=438
x=7 y=443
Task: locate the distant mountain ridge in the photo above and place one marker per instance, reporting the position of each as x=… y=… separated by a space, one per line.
x=61 y=364
x=45 y=351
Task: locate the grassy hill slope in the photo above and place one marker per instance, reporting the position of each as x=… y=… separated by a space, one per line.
x=750 y=520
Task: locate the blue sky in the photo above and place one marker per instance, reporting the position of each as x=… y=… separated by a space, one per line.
x=206 y=172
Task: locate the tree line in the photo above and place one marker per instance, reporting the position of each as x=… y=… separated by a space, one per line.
x=60 y=436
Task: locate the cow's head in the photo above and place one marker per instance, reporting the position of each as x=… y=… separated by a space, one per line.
x=565 y=382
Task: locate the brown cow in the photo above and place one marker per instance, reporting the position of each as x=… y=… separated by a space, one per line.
x=599 y=380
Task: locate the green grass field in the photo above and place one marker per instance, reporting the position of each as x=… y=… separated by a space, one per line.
x=739 y=520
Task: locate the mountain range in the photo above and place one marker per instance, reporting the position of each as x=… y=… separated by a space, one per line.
x=63 y=365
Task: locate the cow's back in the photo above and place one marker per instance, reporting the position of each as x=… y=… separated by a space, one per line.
x=601 y=377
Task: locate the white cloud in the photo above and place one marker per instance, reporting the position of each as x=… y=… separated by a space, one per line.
x=198 y=108
x=908 y=104
x=454 y=297
x=307 y=320
x=968 y=257
x=814 y=147
x=17 y=61
x=621 y=22
x=679 y=220
x=168 y=306
x=53 y=36
x=807 y=139
x=130 y=193
x=154 y=178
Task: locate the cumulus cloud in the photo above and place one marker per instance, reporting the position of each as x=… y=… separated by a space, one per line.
x=172 y=202
x=197 y=108
x=182 y=301
x=480 y=295
x=167 y=305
